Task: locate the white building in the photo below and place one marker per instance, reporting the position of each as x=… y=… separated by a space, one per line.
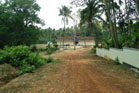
x=69 y=41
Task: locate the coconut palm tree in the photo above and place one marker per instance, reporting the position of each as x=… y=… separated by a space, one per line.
x=65 y=12
x=90 y=14
x=110 y=12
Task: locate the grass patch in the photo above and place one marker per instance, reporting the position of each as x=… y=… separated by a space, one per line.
x=48 y=81
x=128 y=69
x=116 y=66
x=7 y=73
x=52 y=60
x=120 y=67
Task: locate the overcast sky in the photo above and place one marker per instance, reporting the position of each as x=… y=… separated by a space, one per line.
x=49 y=12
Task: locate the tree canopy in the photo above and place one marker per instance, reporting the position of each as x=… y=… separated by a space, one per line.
x=119 y=29
x=17 y=22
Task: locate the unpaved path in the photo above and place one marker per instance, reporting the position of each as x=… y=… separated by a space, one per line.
x=78 y=73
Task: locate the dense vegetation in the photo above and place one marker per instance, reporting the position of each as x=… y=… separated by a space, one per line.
x=22 y=58
x=17 y=19
x=119 y=29
x=18 y=30
x=51 y=35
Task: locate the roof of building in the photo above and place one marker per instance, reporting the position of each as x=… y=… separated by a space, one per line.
x=72 y=38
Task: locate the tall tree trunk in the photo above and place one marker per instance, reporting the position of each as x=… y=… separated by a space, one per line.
x=137 y=4
x=108 y=4
x=107 y=19
x=91 y=26
x=127 y=17
x=115 y=27
x=95 y=33
x=64 y=30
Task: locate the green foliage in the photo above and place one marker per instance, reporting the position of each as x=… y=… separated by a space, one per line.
x=119 y=29
x=105 y=45
x=47 y=35
x=94 y=46
x=132 y=41
x=65 y=12
x=33 y=48
x=116 y=61
x=36 y=60
x=13 y=55
x=22 y=58
x=42 y=40
x=50 y=59
x=16 y=22
x=26 y=68
x=50 y=49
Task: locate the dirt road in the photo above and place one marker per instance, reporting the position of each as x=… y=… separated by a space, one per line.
x=78 y=73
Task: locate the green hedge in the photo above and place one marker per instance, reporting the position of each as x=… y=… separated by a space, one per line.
x=22 y=58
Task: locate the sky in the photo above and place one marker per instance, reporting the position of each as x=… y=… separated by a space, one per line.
x=50 y=13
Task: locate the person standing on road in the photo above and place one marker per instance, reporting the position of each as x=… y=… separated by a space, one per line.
x=76 y=40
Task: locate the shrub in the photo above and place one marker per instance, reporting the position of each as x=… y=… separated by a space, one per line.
x=36 y=60
x=49 y=51
x=22 y=58
x=132 y=41
x=94 y=46
x=50 y=59
x=116 y=61
x=41 y=49
x=26 y=68
x=56 y=46
x=104 y=45
x=34 y=48
x=48 y=46
x=14 y=55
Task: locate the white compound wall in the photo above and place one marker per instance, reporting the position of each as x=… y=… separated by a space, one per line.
x=127 y=55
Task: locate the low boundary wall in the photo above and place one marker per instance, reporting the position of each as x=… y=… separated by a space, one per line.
x=126 y=55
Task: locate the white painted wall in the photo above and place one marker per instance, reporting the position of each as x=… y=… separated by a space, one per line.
x=114 y=53
x=127 y=55
x=80 y=43
x=131 y=56
x=103 y=52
